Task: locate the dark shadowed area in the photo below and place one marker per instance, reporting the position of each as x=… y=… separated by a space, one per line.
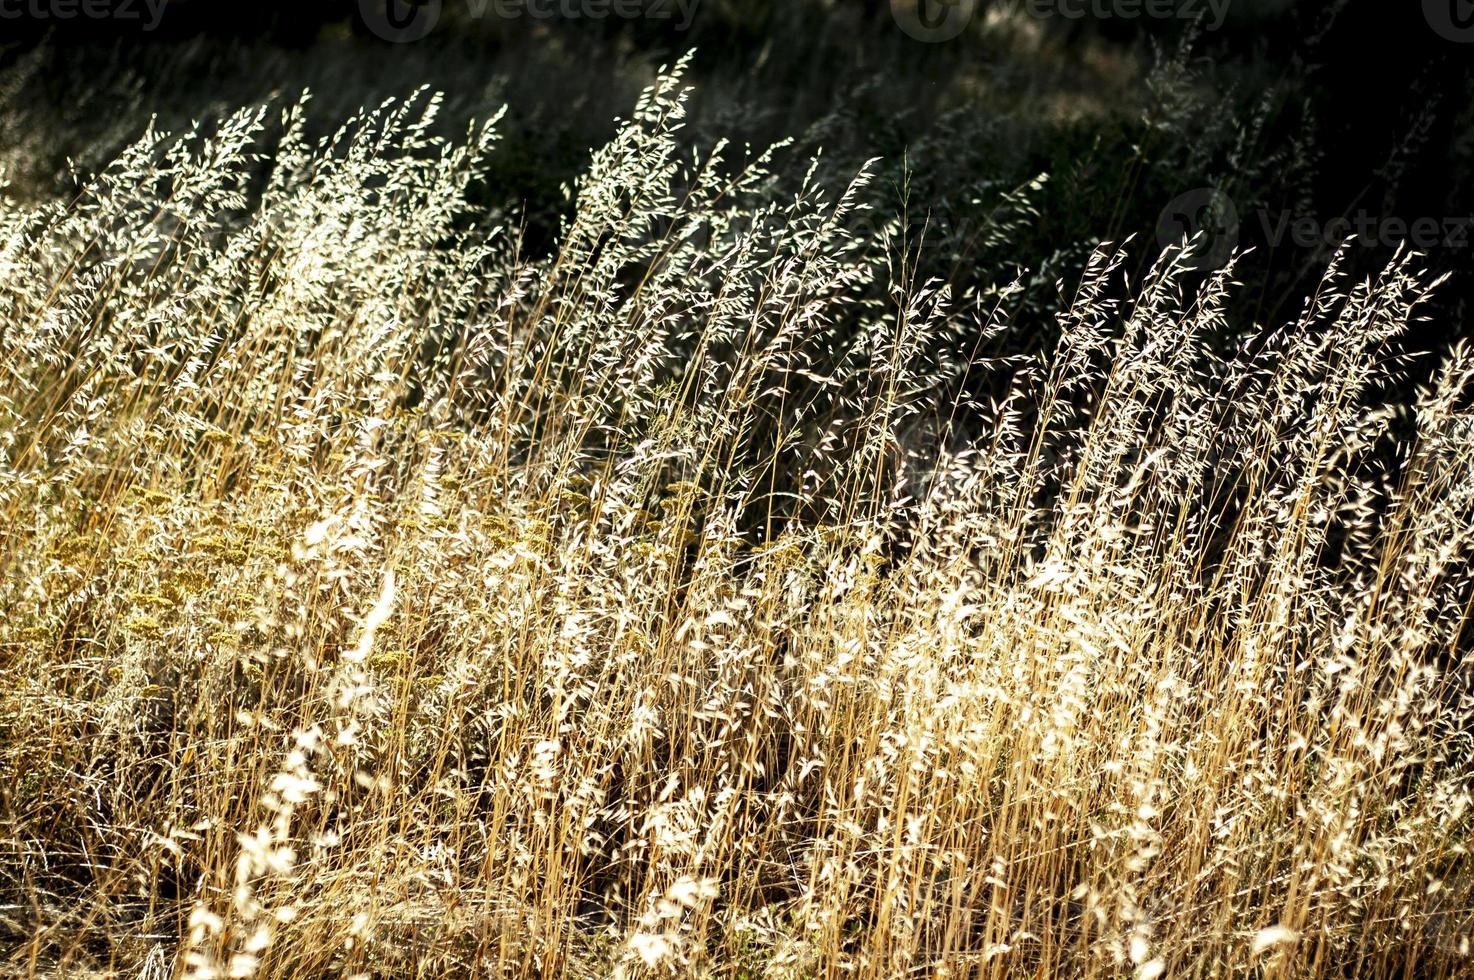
x=1317 y=121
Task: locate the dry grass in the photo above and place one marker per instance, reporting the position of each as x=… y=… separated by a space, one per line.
x=377 y=602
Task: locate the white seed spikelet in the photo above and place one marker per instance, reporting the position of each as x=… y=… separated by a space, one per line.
x=376 y=618
x=1271 y=938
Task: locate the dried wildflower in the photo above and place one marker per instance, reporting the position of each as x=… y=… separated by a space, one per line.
x=144 y=626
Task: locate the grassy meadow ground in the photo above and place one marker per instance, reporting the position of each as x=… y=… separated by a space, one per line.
x=743 y=569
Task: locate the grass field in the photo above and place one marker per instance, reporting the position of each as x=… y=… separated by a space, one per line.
x=709 y=595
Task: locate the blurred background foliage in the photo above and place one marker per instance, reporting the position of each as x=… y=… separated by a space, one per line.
x=1009 y=151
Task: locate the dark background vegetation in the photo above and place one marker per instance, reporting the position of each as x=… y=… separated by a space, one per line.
x=1302 y=109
